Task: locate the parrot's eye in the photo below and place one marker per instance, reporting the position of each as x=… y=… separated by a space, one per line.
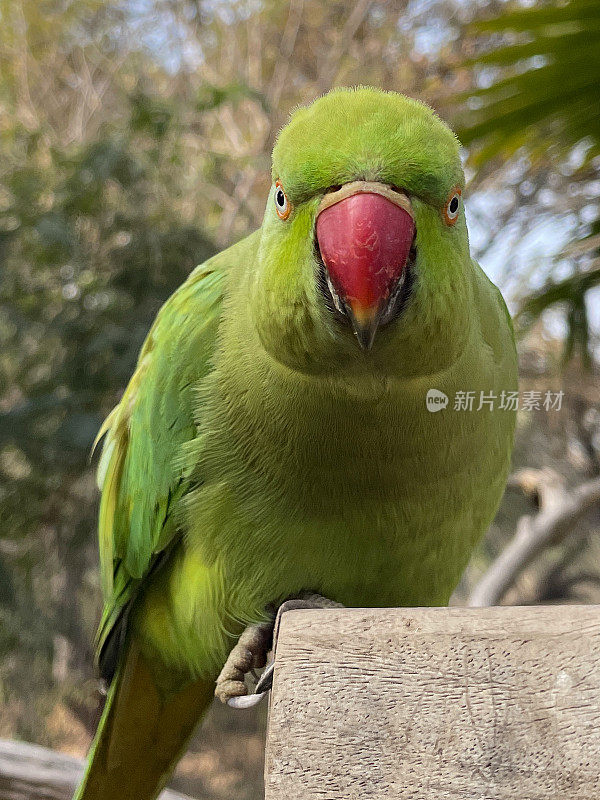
x=452 y=207
x=282 y=204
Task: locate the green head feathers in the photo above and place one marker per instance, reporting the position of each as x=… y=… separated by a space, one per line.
x=367 y=134
x=363 y=140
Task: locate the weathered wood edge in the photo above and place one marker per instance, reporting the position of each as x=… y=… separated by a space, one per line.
x=320 y=632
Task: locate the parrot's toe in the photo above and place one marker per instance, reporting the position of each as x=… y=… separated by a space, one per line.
x=250 y=652
x=252 y=649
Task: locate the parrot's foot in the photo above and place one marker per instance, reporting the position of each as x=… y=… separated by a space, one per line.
x=251 y=652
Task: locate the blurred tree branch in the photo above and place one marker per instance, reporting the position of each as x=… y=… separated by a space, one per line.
x=559 y=510
x=29 y=772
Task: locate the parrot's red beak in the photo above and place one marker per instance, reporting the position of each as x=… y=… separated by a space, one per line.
x=365 y=232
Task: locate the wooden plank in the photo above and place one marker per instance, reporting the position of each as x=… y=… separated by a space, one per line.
x=29 y=772
x=436 y=704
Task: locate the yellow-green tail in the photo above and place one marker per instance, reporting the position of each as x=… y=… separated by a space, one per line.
x=141 y=735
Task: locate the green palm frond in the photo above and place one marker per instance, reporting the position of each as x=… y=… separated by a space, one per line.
x=549 y=79
x=572 y=293
x=543 y=86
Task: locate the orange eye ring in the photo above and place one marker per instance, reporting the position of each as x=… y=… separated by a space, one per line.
x=282 y=204
x=451 y=210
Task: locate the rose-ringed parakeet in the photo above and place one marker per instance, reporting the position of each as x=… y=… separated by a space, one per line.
x=275 y=437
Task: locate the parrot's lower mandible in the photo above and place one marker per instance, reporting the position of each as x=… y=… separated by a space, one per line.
x=312 y=411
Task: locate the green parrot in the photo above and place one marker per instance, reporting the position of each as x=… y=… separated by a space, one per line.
x=318 y=408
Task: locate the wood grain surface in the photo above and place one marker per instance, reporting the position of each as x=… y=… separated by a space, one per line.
x=432 y=704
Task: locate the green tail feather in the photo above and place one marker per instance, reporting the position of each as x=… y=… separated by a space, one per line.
x=141 y=734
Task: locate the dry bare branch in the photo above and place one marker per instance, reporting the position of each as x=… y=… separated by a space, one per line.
x=286 y=49
x=30 y=772
x=559 y=511
x=351 y=26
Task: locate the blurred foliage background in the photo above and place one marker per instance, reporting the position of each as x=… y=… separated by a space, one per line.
x=134 y=142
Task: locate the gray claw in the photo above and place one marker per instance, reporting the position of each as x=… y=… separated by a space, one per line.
x=245 y=701
x=251 y=651
x=266 y=680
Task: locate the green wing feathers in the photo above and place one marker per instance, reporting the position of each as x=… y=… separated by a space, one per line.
x=138 y=473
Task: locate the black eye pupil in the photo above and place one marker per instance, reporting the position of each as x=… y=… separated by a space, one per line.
x=454 y=205
x=280 y=198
